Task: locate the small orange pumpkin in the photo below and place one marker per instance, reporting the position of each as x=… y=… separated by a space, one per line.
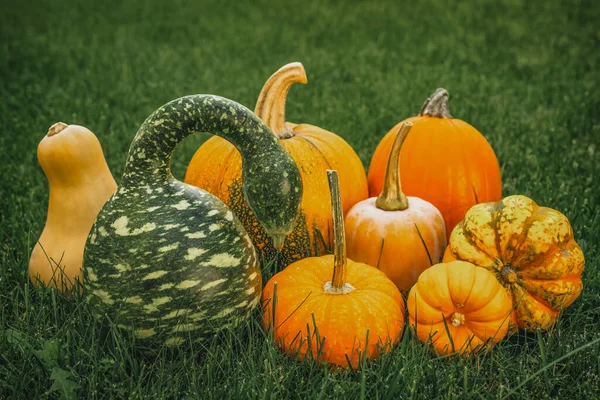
x=530 y=249
x=459 y=307
x=399 y=235
x=338 y=320
x=445 y=161
x=216 y=168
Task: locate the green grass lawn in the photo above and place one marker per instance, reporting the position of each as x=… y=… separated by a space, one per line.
x=525 y=73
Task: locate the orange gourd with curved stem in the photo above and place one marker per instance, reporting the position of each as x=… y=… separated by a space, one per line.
x=314 y=149
x=332 y=308
x=446 y=162
x=401 y=236
x=459 y=307
x=530 y=249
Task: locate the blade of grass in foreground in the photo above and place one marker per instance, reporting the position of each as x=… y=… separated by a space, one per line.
x=551 y=364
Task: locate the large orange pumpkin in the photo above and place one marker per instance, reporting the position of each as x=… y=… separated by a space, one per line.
x=216 y=168
x=459 y=307
x=331 y=308
x=445 y=161
x=530 y=249
x=401 y=236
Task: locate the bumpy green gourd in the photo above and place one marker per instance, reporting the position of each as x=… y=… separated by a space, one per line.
x=170 y=262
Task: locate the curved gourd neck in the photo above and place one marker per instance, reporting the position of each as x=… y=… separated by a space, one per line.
x=270 y=106
x=150 y=152
x=392 y=198
x=436 y=105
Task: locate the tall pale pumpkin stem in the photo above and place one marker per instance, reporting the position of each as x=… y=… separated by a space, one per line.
x=436 y=105
x=270 y=106
x=338 y=284
x=391 y=197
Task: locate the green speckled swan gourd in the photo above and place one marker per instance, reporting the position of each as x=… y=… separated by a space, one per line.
x=170 y=262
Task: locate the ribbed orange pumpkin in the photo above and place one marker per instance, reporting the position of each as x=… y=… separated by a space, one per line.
x=357 y=313
x=445 y=161
x=530 y=249
x=216 y=168
x=400 y=236
x=460 y=307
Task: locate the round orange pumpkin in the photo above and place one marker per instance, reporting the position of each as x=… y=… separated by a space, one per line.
x=445 y=161
x=459 y=307
x=401 y=236
x=338 y=320
x=530 y=249
x=216 y=168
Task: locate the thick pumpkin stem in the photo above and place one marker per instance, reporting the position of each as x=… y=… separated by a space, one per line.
x=338 y=283
x=56 y=128
x=270 y=106
x=508 y=274
x=391 y=197
x=436 y=105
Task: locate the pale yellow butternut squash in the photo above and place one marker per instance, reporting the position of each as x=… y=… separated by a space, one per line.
x=80 y=183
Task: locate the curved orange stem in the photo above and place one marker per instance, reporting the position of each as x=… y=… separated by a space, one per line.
x=391 y=197
x=270 y=106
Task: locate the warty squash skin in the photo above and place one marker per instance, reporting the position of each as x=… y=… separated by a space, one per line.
x=314 y=149
x=399 y=235
x=530 y=249
x=80 y=183
x=331 y=308
x=460 y=307
x=445 y=161
x=169 y=262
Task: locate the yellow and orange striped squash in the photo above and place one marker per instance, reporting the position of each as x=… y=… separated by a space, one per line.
x=531 y=250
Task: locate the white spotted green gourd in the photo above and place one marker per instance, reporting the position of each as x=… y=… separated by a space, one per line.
x=169 y=262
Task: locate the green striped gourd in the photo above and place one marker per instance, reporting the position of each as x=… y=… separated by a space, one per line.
x=170 y=262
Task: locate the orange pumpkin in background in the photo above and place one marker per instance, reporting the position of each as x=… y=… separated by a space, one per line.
x=331 y=308
x=445 y=161
x=530 y=249
x=459 y=307
x=216 y=168
x=401 y=236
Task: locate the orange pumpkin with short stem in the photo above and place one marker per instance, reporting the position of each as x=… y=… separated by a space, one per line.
x=336 y=320
x=459 y=307
x=314 y=149
x=446 y=162
x=530 y=249
x=399 y=235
